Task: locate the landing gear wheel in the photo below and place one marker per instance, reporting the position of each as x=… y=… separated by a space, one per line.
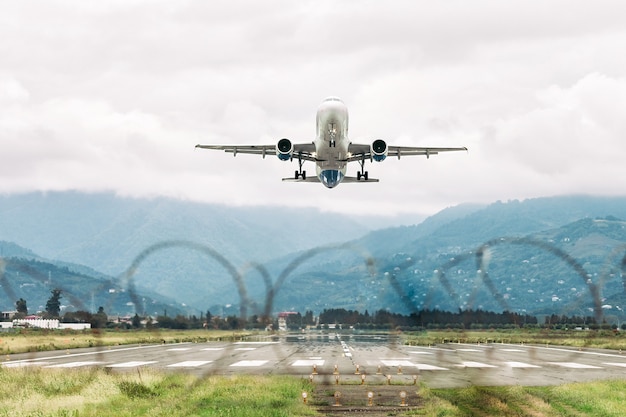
x=297 y=175
x=304 y=175
x=362 y=173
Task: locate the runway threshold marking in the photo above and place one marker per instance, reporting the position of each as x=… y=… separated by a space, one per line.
x=426 y=367
x=620 y=364
x=309 y=362
x=520 y=365
x=21 y=364
x=131 y=364
x=249 y=363
x=75 y=364
x=471 y=364
x=188 y=364
x=574 y=365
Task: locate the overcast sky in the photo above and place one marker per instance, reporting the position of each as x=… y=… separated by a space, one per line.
x=114 y=95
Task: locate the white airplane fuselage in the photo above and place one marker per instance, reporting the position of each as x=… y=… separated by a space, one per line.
x=331 y=150
x=331 y=142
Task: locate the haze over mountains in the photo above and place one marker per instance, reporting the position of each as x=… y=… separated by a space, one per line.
x=182 y=248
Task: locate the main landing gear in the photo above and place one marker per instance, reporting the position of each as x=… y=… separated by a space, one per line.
x=362 y=174
x=300 y=174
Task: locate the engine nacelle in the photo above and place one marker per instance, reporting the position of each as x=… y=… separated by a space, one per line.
x=379 y=150
x=284 y=149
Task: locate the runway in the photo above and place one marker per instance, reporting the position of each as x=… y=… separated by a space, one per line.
x=346 y=358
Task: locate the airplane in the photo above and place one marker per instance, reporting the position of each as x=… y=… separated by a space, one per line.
x=331 y=150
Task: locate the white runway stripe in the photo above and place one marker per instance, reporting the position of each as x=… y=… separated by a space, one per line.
x=188 y=364
x=520 y=365
x=131 y=364
x=308 y=362
x=249 y=363
x=574 y=365
x=178 y=349
x=426 y=367
x=75 y=364
x=397 y=362
x=471 y=364
x=620 y=364
x=23 y=364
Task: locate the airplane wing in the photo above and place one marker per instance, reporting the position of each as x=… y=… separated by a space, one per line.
x=303 y=151
x=359 y=152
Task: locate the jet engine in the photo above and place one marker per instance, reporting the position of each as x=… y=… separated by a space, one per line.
x=379 y=150
x=284 y=149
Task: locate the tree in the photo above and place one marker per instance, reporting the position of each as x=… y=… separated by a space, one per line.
x=136 y=321
x=99 y=320
x=20 y=306
x=53 y=305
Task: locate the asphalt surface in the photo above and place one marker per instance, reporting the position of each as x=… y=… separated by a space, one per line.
x=349 y=359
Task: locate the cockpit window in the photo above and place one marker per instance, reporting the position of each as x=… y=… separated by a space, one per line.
x=334 y=99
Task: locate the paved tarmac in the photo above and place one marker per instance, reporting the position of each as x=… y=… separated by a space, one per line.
x=350 y=358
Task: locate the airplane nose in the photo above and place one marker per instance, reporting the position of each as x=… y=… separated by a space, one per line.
x=331 y=177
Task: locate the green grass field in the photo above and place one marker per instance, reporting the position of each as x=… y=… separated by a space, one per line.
x=49 y=392
x=96 y=392
x=39 y=340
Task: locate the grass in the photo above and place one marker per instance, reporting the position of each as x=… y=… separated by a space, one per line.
x=579 y=339
x=97 y=392
x=49 y=392
x=602 y=399
x=39 y=340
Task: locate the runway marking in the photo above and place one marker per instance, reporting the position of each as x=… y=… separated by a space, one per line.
x=213 y=349
x=574 y=365
x=188 y=364
x=469 y=350
x=520 y=365
x=471 y=364
x=397 y=362
x=249 y=363
x=178 y=349
x=256 y=343
x=75 y=364
x=309 y=362
x=245 y=349
x=620 y=364
x=131 y=364
x=22 y=364
x=421 y=353
x=512 y=350
x=426 y=367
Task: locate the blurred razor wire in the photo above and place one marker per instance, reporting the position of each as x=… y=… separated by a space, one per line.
x=399 y=277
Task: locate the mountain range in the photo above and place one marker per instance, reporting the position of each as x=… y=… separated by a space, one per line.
x=540 y=255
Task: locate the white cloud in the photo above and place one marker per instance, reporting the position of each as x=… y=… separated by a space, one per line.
x=114 y=95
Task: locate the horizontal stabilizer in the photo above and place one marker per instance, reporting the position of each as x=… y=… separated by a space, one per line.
x=354 y=179
x=345 y=179
x=308 y=179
